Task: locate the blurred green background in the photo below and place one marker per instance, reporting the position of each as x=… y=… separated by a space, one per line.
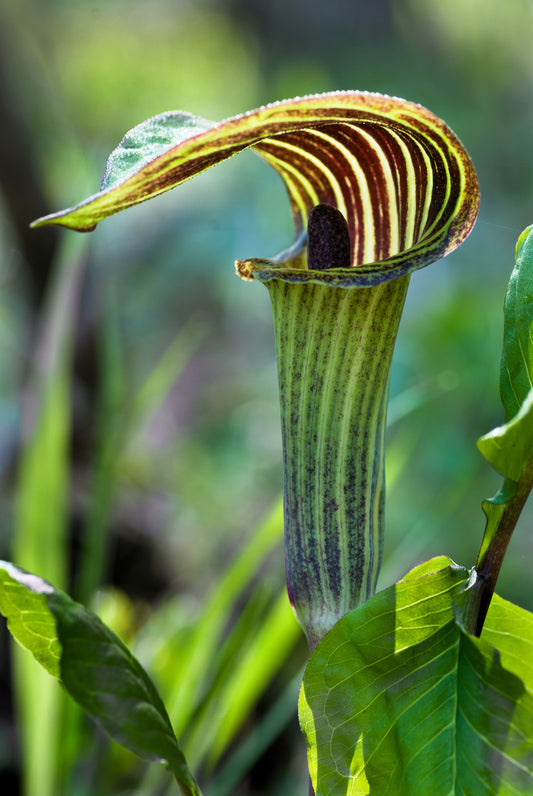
x=139 y=438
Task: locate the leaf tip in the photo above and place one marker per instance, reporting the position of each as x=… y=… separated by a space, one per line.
x=70 y=219
x=522 y=239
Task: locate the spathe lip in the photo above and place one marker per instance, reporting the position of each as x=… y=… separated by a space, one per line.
x=367 y=275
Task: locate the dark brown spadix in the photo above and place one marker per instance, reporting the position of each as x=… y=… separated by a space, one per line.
x=328 y=239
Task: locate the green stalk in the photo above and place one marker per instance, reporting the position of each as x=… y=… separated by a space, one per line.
x=334 y=348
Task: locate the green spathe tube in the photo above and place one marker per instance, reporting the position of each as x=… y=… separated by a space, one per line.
x=333 y=393
x=334 y=350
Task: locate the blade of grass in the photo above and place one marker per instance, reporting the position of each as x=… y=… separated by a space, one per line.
x=268 y=645
x=111 y=395
x=213 y=622
x=42 y=513
x=201 y=646
x=212 y=706
x=257 y=741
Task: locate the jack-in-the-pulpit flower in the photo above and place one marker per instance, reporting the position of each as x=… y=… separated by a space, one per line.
x=379 y=188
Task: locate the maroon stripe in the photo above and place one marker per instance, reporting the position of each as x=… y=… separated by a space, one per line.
x=372 y=167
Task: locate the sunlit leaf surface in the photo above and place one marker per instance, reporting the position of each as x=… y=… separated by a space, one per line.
x=398 y=699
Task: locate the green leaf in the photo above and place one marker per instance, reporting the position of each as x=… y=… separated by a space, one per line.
x=399 y=176
x=23 y=603
x=94 y=666
x=508 y=447
x=398 y=699
x=516 y=378
x=509 y=628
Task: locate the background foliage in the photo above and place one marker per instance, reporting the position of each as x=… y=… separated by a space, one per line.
x=141 y=497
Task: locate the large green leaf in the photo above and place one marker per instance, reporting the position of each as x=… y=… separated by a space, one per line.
x=94 y=666
x=397 y=698
x=399 y=176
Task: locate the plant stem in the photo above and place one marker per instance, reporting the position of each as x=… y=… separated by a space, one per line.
x=493 y=550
